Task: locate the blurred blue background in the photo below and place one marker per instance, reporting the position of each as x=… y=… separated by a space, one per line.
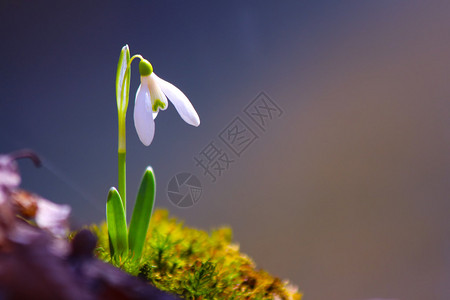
x=346 y=194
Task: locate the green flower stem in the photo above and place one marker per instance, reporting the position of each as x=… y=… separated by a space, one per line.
x=122 y=153
x=122 y=159
x=122 y=149
x=126 y=77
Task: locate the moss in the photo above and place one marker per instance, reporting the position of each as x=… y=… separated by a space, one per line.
x=196 y=264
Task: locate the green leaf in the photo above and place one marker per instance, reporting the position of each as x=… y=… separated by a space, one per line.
x=123 y=74
x=141 y=213
x=117 y=224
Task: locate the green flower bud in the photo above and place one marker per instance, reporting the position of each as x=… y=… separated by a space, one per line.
x=145 y=67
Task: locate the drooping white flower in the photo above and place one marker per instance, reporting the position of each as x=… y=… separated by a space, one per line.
x=151 y=97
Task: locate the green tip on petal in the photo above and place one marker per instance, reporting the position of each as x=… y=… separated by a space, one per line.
x=158 y=104
x=145 y=67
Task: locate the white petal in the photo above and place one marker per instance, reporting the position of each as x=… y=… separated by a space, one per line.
x=155 y=91
x=180 y=101
x=143 y=115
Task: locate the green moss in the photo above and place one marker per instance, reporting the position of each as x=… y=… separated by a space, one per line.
x=196 y=264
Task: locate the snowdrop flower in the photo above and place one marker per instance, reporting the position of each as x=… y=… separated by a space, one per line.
x=151 y=97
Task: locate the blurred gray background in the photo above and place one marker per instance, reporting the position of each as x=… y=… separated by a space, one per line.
x=346 y=194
